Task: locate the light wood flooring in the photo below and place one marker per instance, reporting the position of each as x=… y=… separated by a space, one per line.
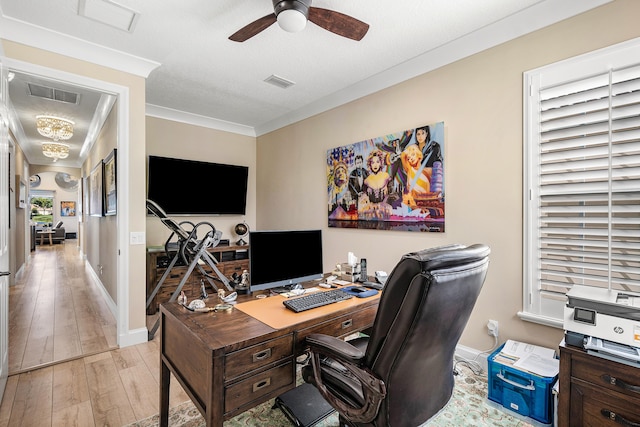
x=65 y=369
x=56 y=311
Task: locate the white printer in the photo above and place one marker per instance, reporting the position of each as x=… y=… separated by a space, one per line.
x=601 y=313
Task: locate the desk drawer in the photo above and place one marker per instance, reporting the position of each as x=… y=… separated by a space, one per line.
x=340 y=326
x=613 y=376
x=248 y=359
x=258 y=385
x=594 y=406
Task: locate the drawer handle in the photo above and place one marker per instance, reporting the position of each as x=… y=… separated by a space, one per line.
x=531 y=385
x=262 y=355
x=619 y=383
x=347 y=324
x=617 y=418
x=261 y=384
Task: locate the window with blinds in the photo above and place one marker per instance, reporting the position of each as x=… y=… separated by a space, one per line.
x=582 y=194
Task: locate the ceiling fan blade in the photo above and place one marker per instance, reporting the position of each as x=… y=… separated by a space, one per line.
x=248 y=31
x=338 y=23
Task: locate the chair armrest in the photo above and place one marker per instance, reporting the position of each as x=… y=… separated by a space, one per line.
x=335 y=347
x=349 y=357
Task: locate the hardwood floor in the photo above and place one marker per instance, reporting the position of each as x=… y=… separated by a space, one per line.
x=65 y=368
x=113 y=388
x=56 y=311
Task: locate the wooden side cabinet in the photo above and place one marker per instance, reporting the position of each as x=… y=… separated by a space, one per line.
x=597 y=392
x=231 y=259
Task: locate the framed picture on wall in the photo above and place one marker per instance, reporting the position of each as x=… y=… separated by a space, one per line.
x=110 y=176
x=67 y=208
x=95 y=190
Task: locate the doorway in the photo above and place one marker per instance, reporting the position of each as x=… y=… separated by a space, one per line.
x=119 y=303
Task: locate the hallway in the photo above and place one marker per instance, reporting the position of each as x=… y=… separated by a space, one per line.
x=57 y=311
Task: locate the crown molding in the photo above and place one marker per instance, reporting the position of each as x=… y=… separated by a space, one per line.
x=42 y=38
x=540 y=15
x=197 y=120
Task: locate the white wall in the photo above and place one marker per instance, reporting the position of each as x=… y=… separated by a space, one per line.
x=70 y=223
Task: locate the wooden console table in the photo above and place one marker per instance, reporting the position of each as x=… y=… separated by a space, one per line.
x=230 y=361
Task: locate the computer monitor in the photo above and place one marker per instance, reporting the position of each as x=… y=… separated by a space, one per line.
x=284 y=258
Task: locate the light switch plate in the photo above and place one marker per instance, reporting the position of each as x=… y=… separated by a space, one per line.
x=137 y=238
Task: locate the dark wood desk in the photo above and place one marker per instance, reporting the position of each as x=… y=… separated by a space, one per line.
x=229 y=362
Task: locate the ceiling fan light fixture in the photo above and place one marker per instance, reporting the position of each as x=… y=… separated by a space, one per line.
x=292 y=14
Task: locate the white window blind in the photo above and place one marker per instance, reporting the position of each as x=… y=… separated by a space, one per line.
x=583 y=184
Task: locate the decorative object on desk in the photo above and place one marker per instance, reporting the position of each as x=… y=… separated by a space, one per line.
x=392 y=182
x=243 y=286
x=95 y=190
x=182 y=299
x=68 y=208
x=229 y=298
x=241 y=229
x=203 y=290
x=196 y=303
x=110 y=181
x=469 y=406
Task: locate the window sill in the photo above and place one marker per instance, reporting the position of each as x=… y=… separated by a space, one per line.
x=542 y=320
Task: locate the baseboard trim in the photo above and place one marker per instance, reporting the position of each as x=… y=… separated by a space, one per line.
x=468 y=353
x=133 y=337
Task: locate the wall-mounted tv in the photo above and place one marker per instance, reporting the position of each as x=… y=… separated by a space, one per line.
x=190 y=187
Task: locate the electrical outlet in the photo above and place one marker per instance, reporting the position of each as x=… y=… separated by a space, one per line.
x=492 y=326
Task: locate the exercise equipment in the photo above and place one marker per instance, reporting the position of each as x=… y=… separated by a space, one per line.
x=184 y=245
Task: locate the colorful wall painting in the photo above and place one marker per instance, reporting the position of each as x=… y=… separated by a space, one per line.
x=392 y=182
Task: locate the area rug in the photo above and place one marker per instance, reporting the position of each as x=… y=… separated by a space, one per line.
x=468 y=406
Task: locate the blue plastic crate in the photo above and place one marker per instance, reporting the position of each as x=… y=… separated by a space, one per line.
x=527 y=394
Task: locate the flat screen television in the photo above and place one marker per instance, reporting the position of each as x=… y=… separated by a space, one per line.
x=190 y=187
x=299 y=258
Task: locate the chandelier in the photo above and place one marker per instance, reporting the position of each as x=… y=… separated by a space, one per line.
x=55 y=150
x=55 y=128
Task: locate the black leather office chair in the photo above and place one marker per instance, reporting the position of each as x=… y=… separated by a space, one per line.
x=402 y=374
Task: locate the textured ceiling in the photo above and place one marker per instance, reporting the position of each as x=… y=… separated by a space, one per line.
x=196 y=69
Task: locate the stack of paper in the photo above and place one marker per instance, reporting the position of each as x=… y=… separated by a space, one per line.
x=528 y=357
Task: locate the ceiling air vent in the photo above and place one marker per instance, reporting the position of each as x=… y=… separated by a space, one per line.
x=279 y=81
x=53 y=94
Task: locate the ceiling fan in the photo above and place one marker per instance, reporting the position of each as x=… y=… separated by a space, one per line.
x=292 y=16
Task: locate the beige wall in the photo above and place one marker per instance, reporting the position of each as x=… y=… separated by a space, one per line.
x=18 y=232
x=134 y=198
x=99 y=241
x=173 y=139
x=480 y=101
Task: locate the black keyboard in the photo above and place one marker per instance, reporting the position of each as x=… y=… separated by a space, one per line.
x=316 y=299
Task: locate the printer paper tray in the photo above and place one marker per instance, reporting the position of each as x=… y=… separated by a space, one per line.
x=620 y=351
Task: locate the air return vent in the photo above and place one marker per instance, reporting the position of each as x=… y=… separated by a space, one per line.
x=53 y=94
x=279 y=81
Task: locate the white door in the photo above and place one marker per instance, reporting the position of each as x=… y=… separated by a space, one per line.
x=4 y=233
